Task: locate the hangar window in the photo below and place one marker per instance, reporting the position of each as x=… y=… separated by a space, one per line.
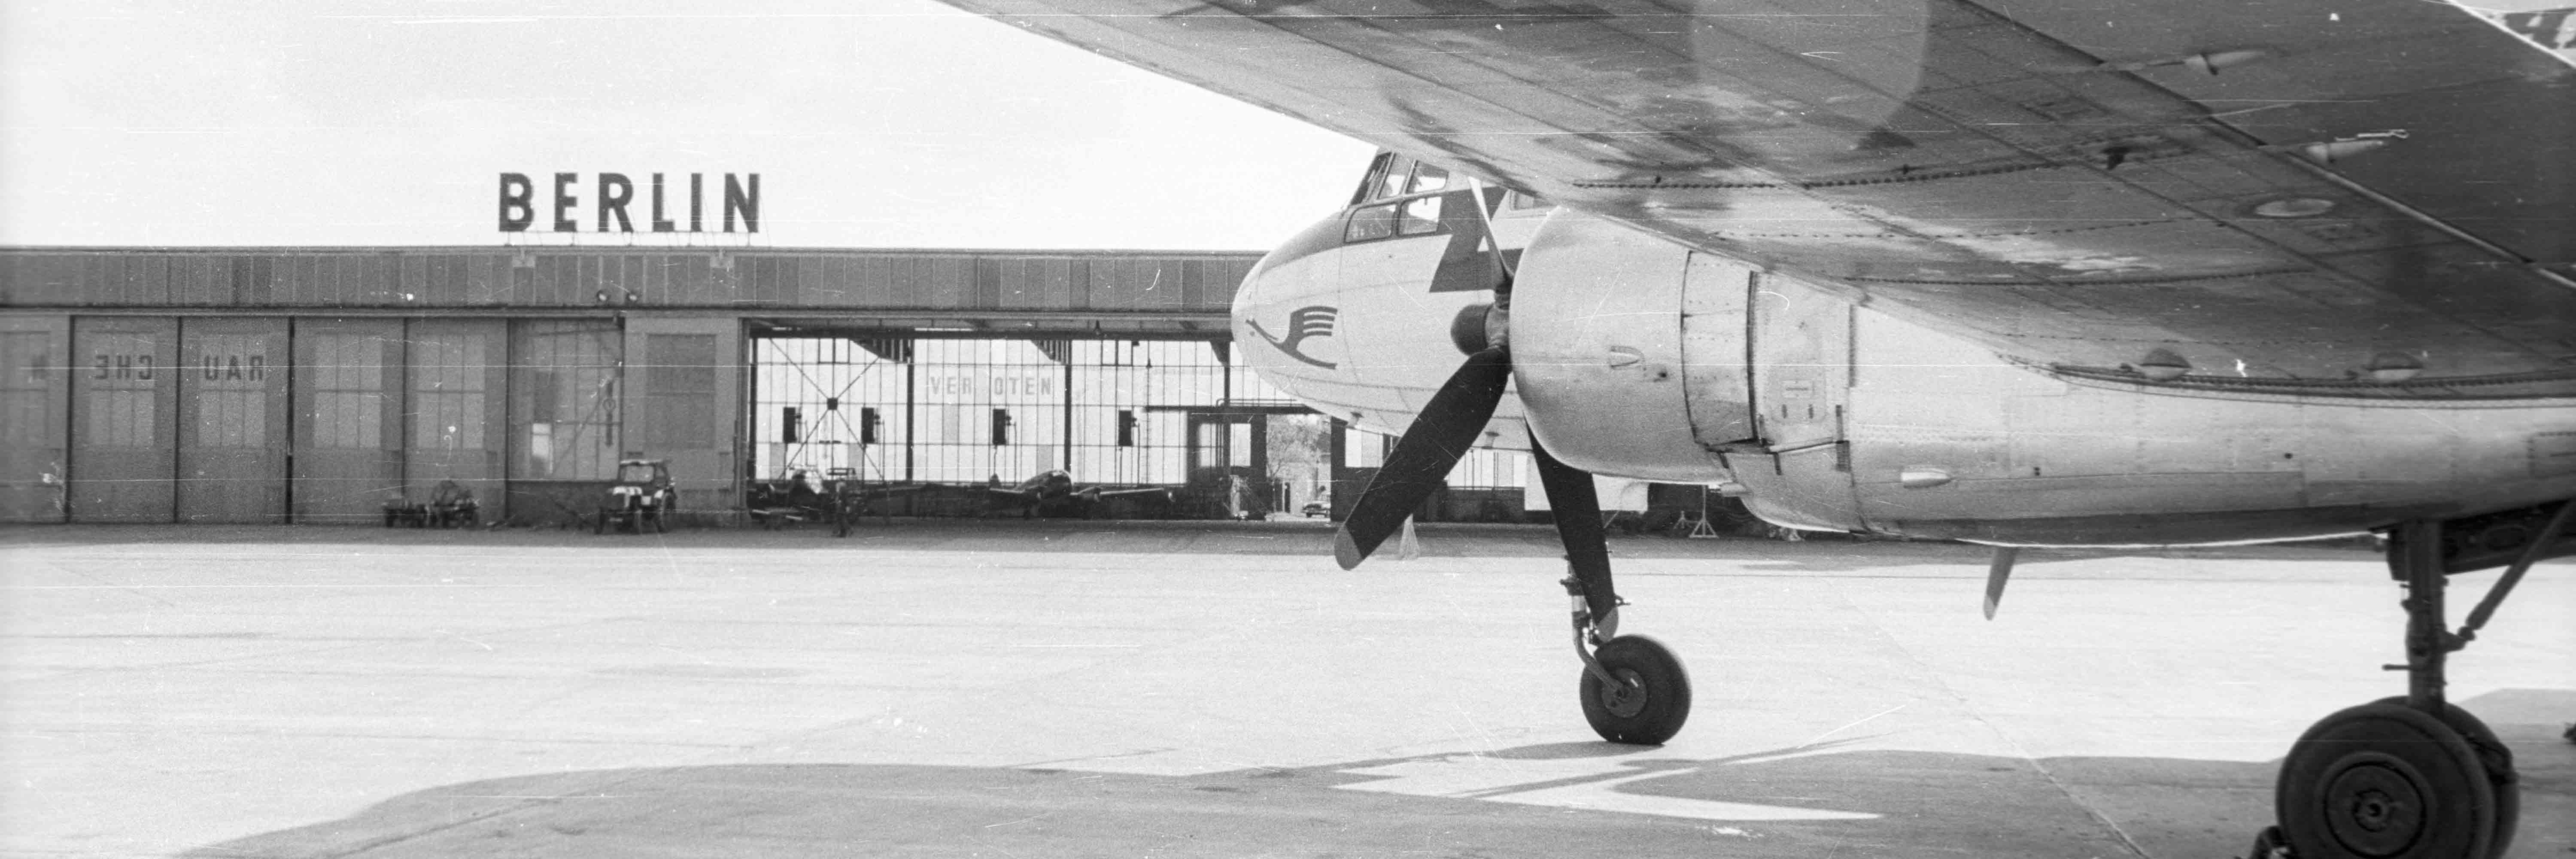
x=564 y=402
x=1108 y=411
x=447 y=374
x=1364 y=449
x=346 y=371
x=678 y=386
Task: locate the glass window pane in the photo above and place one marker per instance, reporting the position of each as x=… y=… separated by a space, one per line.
x=1376 y=178
x=1421 y=216
x=1428 y=178
x=1374 y=222
x=1393 y=182
x=1363 y=449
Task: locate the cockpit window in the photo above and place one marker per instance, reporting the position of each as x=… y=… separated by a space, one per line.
x=1420 y=216
x=1523 y=201
x=1374 y=222
x=1392 y=184
x=1427 y=177
x=1375 y=178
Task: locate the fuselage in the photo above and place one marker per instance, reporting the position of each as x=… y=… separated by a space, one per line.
x=1636 y=357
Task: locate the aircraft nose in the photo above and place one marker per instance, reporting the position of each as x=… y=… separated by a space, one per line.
x=1290 y=305
x=1298 y=269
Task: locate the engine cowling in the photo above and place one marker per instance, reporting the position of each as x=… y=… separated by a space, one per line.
x=1618 y=374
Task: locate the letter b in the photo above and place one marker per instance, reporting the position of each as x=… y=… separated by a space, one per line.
x=515 y=213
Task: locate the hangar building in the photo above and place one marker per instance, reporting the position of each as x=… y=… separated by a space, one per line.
x=321 y=384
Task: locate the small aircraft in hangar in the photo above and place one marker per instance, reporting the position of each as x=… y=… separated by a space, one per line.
x=1053 y=493
x=2104 y=273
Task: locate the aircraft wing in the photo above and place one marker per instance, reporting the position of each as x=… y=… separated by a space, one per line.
x=2372 y=199
x=881 y=491
x=1115 y=492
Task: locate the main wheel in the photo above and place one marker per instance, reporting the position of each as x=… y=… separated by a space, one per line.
x=1653 y=697
x=2384 y=781
x=2497 y=760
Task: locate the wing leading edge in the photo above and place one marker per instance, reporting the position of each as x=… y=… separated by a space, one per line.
x=2288 y=194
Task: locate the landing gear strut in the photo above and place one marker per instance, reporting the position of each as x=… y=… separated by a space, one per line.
x=1633 y=690
x=2415 y=777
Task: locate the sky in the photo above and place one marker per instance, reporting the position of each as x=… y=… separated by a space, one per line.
x=881 y=123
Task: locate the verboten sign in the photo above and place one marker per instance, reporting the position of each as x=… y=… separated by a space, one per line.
x=661 y=209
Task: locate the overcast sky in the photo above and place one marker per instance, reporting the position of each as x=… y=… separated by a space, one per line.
x=885 y=123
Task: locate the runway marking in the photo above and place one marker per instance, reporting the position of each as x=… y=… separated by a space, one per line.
x=1589 y=784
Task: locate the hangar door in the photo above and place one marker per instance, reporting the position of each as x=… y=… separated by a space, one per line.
x=453 y=379
x=122 y=425
x=32 y=390
x=232 y=420
x=348 y=460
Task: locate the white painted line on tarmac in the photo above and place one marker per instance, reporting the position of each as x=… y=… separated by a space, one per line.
x=1489 y=779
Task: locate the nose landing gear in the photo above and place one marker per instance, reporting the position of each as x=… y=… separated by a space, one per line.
x=1633 y=690
x=2416 y=777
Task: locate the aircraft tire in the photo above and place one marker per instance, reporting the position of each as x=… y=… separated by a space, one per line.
x=2384 y=781
x=2497 y=760
x=1654 y=707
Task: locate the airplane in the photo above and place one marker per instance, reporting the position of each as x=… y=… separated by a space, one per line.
x=2099 y=273
x=841 y=497
x=1053 y=493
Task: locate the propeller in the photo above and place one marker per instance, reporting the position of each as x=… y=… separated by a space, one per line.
x=1447 y=428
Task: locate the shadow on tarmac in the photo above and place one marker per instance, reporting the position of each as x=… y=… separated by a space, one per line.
x=1559 y=799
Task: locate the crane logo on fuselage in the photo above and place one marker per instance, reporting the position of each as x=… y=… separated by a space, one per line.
x=1303 y=323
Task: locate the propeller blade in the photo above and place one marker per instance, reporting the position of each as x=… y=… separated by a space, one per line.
x=1578 y=526
x=1441 y=435
x=1998 y=571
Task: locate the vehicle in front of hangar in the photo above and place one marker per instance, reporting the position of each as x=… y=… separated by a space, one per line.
x=640 y=499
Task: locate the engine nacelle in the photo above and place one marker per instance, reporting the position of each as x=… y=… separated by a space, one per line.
x=1612 y=381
